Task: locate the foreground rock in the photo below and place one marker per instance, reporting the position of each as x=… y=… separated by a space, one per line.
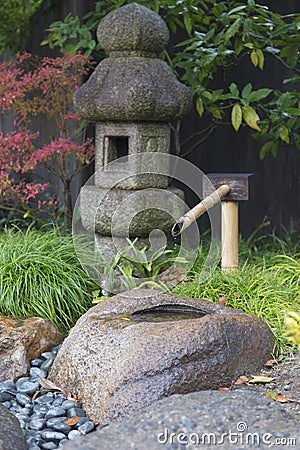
x=131 y=350
x=11 y=436
x=22 y=340
x=206 y=420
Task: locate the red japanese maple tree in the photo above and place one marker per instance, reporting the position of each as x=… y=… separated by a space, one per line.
x=47 y=132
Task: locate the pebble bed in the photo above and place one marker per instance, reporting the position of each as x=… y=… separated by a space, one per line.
x=42 y=413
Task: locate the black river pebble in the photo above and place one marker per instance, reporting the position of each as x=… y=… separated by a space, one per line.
x=42 y=414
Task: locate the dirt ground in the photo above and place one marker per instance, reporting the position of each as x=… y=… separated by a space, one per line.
x=285 y=388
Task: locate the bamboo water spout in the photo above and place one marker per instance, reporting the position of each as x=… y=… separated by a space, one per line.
x=230 y=188
x=208 y=202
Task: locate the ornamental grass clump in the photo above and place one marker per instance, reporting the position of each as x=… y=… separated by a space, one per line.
x=267 y=290
x=40 y=275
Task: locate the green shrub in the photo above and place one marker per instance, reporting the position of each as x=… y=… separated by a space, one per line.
x=40 y=275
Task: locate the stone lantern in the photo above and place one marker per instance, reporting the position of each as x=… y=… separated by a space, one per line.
x=131 y=96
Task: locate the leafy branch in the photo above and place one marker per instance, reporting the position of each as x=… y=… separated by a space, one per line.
x=219 y=36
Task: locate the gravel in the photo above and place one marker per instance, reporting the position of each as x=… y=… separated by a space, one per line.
x=42 y=413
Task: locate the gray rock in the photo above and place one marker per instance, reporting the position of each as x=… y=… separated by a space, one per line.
x=56 y=411
x=23 y=340
x=37 y=424
x=36 y=362
x=86 y=427
x=56 y=420
x=49 y=446
x=23 y=399
x=36 y=372
x=28 y=387
x=74 y=434
x=11 y=436
x=50 y=436
x=72 y=412
x=62 y=427
x=67 y=404
x=47 y=364
x=6 y=396
x=117 y=366
x=21 y=381
x=45 y=398
x=206 y=420
x=34 y=447
x=41 y=409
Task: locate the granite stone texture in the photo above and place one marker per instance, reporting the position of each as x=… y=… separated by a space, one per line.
x=133 y=85
x=132 y=89
x=203 y=420
x=144 y=345
x=11 y=436
x=124 y=157
x=133 y=28
x=128 y=213
x=22 y=340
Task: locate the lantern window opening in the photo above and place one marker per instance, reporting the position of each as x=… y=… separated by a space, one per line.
x=116 y=147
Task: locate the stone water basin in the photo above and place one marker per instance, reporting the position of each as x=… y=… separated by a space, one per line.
x=143 y=345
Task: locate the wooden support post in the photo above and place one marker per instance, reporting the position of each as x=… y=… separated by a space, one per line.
x=239 y=191
x=230 y=236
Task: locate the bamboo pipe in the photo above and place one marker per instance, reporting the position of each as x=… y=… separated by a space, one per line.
x=192 y=215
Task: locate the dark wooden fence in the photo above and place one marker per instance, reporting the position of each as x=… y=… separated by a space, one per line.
x=276 y=182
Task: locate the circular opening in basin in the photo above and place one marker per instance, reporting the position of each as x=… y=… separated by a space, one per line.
x=167 y=313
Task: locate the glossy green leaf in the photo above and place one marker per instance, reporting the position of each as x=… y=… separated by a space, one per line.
x=266 y=148
x=259 y=94
x=254 y=58
x=291 y=52
x=260 y=58
x=247 y=90
x=236 y=116
x=233 y=29
x=293 y=111
x=234 y=90
x=251 y=117
x=188 y=23
x=199 y=106
x=217 y=113
x=284 y=134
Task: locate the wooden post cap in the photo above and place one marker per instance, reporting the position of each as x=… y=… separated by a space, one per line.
x=238 y=183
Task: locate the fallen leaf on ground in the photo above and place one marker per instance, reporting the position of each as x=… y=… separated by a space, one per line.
x=226 y=389
x=72 y=421
x=261 y=379
x=222 y=300
x=271 y=362
x=278 y=398
x=70 y=396
x=281 y=399
x=47 y=384
x=272 y=395
x=242 y=380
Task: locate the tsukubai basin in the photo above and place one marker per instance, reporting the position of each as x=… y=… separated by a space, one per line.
x=144 y=345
